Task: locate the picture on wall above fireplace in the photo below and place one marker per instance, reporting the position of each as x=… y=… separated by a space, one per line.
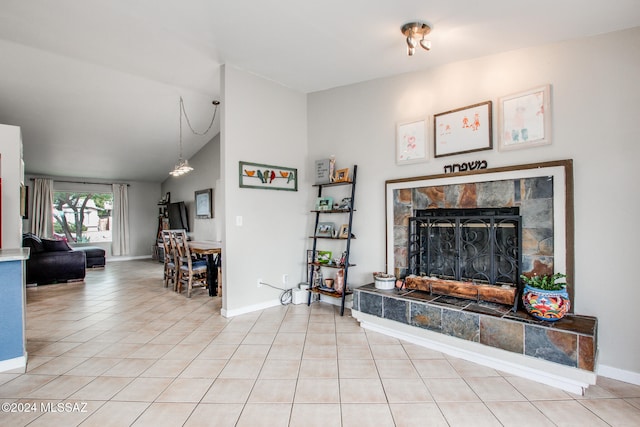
x=524 y=119
x=463 y=130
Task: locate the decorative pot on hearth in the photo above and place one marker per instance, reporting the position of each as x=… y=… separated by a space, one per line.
x=545 y=298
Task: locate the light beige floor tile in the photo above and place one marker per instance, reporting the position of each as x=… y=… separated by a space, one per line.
x=23 y=385
x=265 y=415
x=169 y=368
x=615 y=412
x=435 y=368
x=318 y=368
x=353 y=368
x=416 y=352
x=61 y=387
x=536 y=391
x=351 y=339
x=518 y=414
x=406 y=390
x=417 y=414
x=393 y=368
x=130 y=368
x=203 y=368
x=366 y=415
x=58 y=366
x=119 y=349
x=56 y=349
x=285 y=352
x=94 y=366
x=185 y=351
x=143 y=389
x=635 y=401
x=251 y=351
x=358 y=352
x=316 y=415
x=229 y=390
x=242 y=368
x=468 y=414
x=102 y=388
x=558 y=412
x=317 y=390
x=468 y=369
x=280 y=369
x=115 y=414
x=151 y=351
x=450 y=390
x=493 y=389
x=321 y=339
x=185 y=390
x=313 y=351
x=273 y=391
x=218 y=351
x=255 y=337
x=362 y=391
x=388 y=351
x=289 y=338
x=214 y=414
x=376 y=338
x=619 y=388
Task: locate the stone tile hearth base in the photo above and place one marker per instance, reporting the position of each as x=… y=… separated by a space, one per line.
x=561 y=354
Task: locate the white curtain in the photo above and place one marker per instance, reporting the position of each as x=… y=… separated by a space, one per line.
x=42 y=209
x=120 y=230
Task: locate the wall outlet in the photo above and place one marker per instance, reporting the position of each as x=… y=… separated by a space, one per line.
x=285 y=278
x=260 y=282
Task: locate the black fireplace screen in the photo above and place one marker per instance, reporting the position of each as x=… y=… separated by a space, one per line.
x=477 y=245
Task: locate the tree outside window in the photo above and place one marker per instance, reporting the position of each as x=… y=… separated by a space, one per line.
x=82 y=217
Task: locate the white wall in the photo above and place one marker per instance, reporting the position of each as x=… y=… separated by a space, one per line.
x=205 y=174
x=12 y=176
x=265 y=123
x=595 y=106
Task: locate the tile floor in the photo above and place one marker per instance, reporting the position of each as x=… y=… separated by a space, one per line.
x=122 y=350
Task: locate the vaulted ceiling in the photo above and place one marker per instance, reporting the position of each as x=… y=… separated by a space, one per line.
x=95 y=85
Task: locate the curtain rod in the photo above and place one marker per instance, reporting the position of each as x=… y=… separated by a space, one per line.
x=80 y=182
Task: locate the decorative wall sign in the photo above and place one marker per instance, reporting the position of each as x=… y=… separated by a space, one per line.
x=466 y=166
x=524 y=119
x=256 y=175
x=411 y=142
x=463 y=130
x=323 y=171
x=204 y=203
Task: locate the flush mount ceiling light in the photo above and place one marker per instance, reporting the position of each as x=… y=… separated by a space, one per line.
x=182 y=167
x=415 y=33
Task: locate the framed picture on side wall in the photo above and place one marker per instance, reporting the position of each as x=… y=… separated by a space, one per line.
x=204 y=203
x=411 y=142
x=463 y=130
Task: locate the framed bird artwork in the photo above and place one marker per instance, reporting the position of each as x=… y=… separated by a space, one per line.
x=267 y=177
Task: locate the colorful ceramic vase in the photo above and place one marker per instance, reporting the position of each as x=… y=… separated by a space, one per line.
x=546 y=305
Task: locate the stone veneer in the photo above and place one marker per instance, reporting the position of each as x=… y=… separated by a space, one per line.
x=570 y=341
x=534 y=197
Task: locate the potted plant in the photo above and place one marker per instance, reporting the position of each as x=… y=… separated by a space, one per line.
x=545 y=297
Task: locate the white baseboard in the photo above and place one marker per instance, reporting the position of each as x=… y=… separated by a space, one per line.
x=19 y=364
x=250 y=308
x=563 y=377
x=619 y=374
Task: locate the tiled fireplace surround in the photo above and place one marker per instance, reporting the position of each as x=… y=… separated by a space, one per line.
x=561 y=354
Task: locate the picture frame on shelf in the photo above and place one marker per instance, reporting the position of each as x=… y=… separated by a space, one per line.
x=524 y=119
x=411 y=142
x=324 y=203
x=323 y=171
x=345 y=204
x=342 y=175
x=204 y=203
x=463 y=130
x=324 y=257
x=344 y=231
x=325 y=229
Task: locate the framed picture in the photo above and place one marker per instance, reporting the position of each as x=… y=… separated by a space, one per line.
x=324 y=203
x=463 y=130
x=411 y=142
x=24 y=201
x=344 y=231
x=325 y=229
x=204 y=203
x=524 y=119
x=345 y=204
x=342 y=175
x=324 y=257
x=268 y=177
x=323 y=171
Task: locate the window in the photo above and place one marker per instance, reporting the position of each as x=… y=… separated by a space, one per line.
x=82 y=217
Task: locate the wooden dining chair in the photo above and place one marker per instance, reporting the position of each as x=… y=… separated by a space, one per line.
x=170 y=271
x=191 y=272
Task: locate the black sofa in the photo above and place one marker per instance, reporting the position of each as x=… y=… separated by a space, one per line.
x=52 y=261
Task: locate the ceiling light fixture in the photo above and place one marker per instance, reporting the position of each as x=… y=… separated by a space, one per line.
x=415 y=31
x=182 y=167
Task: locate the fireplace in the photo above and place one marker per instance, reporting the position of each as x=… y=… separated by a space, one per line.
x=479 y=245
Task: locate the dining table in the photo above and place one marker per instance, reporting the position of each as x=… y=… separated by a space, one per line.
x=212 y=252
